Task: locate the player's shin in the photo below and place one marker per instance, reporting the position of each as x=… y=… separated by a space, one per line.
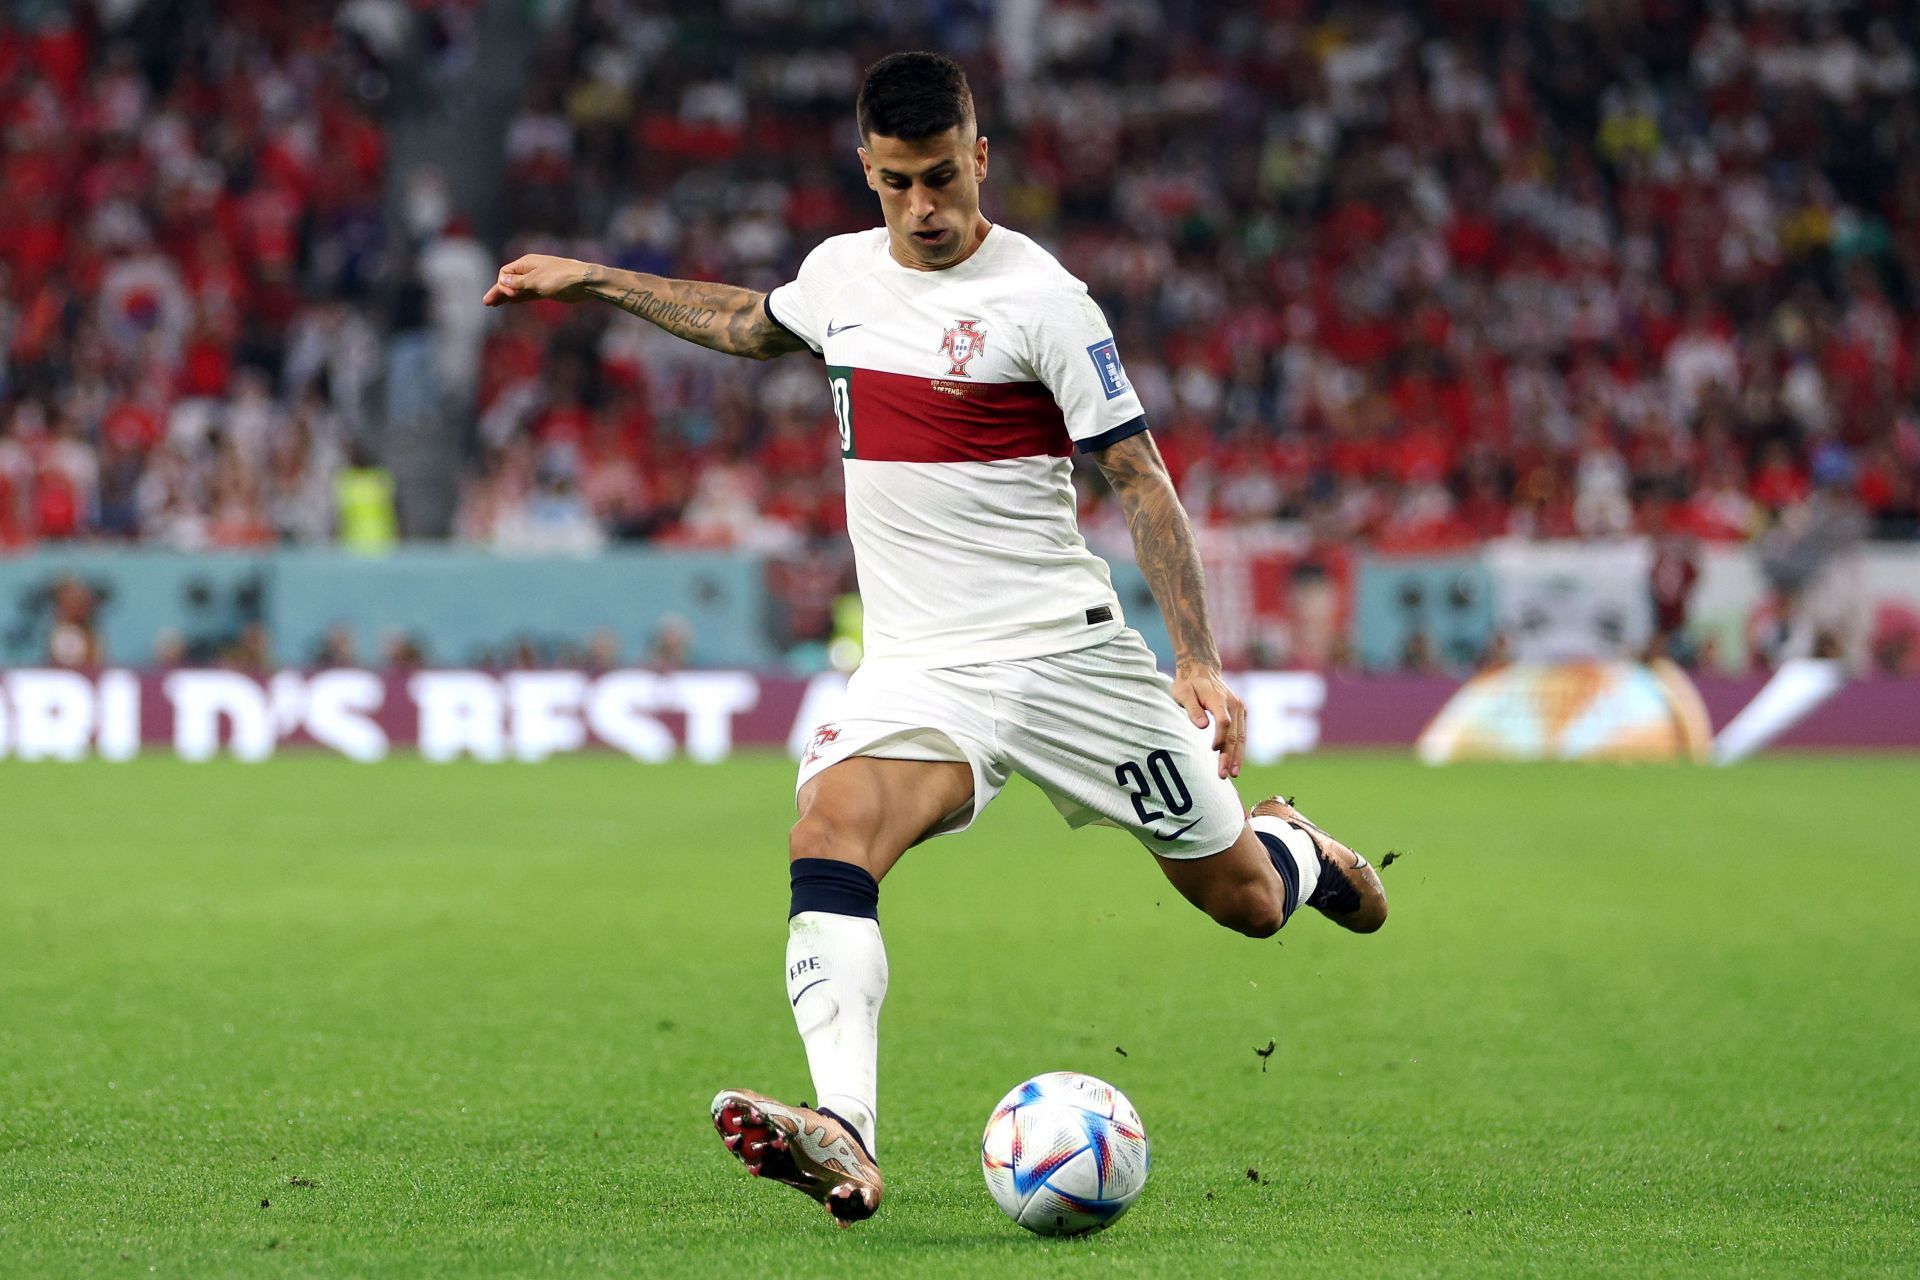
x=836 y=981
x=1293 y=857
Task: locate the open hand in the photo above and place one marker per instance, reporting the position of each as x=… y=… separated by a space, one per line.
x=539 y=275
x=1203 y=694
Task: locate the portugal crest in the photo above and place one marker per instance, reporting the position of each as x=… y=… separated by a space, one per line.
x=962 y=343
x=825 y=734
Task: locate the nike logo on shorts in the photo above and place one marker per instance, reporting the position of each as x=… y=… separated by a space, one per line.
x=832 y=329
x=1177 y=832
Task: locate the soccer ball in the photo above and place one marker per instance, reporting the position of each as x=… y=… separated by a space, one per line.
x=1064 y=1154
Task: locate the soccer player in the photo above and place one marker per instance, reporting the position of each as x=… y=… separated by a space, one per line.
x=965 y=366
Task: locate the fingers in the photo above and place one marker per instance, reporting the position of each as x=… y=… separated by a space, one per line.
x=1229 y=728
x=1236 y=751
x=1190 y=703
x=508 y=284
x=1229 y=736
x=1210 y=701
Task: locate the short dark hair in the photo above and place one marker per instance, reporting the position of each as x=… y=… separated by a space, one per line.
x=914 y=95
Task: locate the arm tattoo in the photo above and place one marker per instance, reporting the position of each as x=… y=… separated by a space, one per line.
x=668 y=315
x=721 y=316
x=1163 y=543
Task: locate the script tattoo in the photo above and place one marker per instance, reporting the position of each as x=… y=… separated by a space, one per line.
x=1163 y=543
x=721 y=316
x=668 y=315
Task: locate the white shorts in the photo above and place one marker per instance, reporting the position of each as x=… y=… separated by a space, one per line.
x=1096 y=729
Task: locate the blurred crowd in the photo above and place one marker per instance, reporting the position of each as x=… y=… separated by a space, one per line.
x=193 y=290
x=1411 y=274
x=1417 y=274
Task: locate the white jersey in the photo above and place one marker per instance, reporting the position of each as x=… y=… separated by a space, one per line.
x=961 y=394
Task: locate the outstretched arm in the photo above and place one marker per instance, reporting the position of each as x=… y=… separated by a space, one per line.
x=1163 y=543
x=721 y=316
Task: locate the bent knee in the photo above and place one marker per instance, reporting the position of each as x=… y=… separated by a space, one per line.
x=819 y=835
x=839 y=831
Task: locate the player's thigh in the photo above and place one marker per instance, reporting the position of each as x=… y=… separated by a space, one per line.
x=1099 y=732
x=869 y=811
x=908 y=755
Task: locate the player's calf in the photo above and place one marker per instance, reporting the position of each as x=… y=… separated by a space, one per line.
x=1341 y=885
x=1239 y=887
x=1255 y=910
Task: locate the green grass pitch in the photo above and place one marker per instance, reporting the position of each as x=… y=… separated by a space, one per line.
x=313 y=1018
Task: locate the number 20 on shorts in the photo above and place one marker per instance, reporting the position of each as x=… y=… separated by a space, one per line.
x=1167 y=786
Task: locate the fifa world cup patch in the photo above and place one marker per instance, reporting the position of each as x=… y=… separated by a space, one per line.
x=1106 y=358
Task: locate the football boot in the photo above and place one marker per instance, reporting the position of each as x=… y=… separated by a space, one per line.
x=1349 y=892
x=809 y=1150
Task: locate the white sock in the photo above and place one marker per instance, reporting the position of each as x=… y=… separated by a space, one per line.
x=836 y=981
x=1297 y=843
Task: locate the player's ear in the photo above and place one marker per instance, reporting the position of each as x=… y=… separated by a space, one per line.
x=866 y=167
x=980 y=159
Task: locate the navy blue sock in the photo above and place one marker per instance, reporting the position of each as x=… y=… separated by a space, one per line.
x=840 y=888
x=1284 y=864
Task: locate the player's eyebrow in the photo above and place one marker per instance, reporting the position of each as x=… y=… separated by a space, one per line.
x=928 y=172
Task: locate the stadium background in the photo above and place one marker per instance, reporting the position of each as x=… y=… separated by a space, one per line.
x=1392 y=280
x=1472 y=331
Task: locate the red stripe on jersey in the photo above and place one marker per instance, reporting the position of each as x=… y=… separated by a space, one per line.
x=901 y=418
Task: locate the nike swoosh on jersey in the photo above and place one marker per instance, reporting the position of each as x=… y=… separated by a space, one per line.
x=1179 y=831
x=832 y=329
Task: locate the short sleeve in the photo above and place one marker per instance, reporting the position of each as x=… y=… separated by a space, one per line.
x=799 y=307
x=1074 y=354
